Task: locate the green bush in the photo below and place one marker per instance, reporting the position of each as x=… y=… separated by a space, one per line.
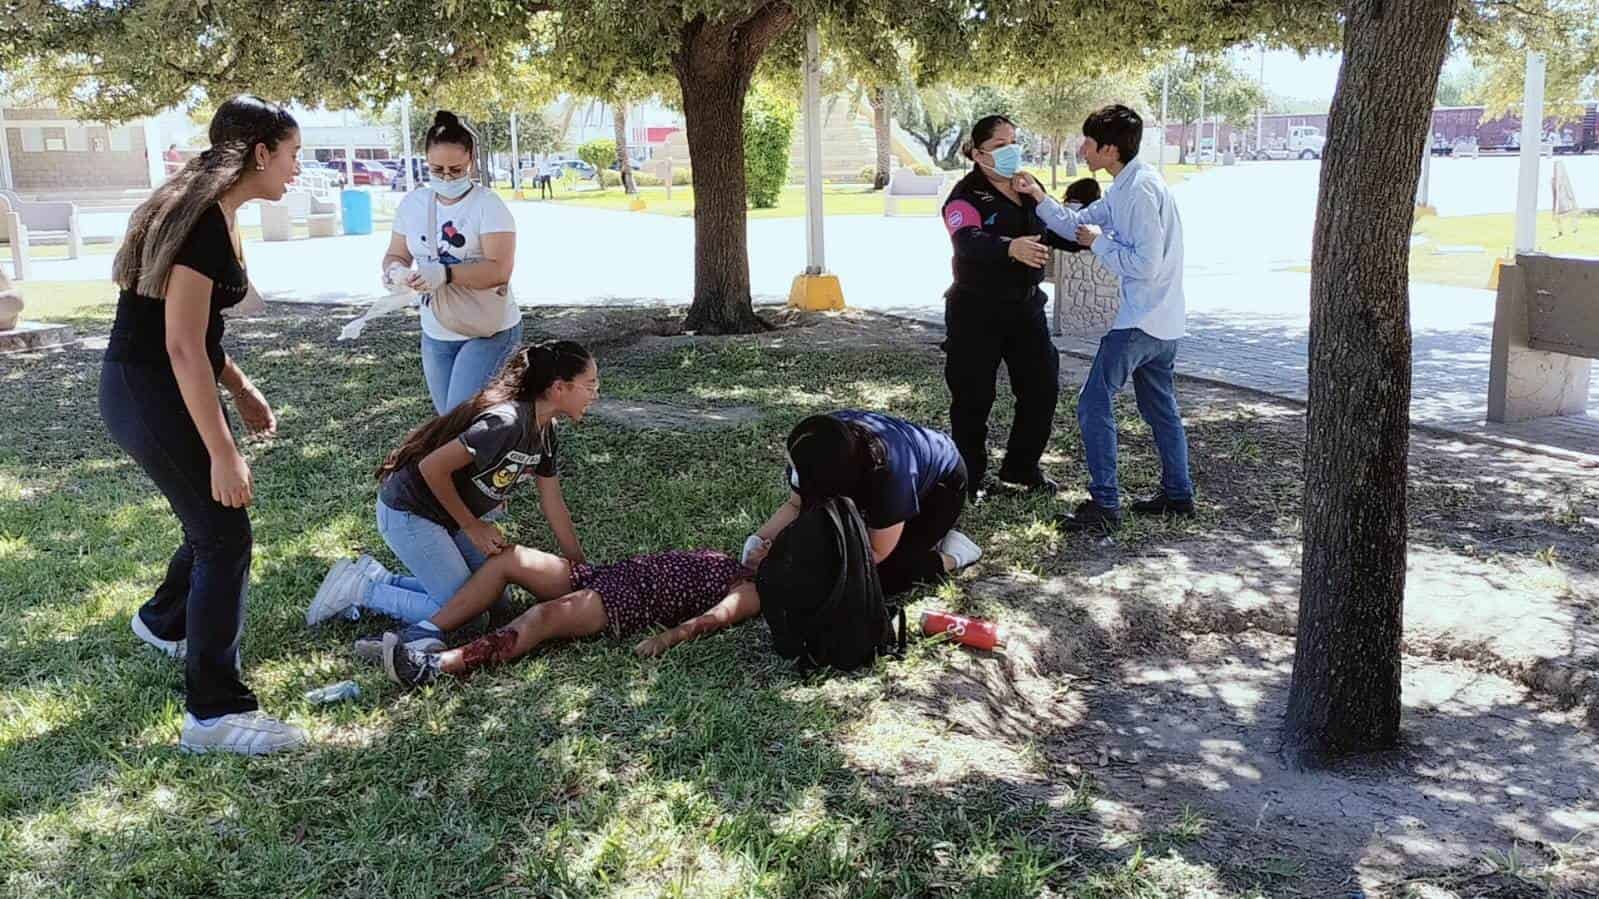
x=768 y=134
x=598 y=153
x=868 y=174
x=682 y=177
x=645 y=179
x=919 y=169
x=609 y=178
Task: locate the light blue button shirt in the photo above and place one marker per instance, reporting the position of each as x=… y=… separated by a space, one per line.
x=1142 y=244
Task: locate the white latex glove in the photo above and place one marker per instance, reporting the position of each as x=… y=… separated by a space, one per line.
x=428 y=277
x=752 y=545
x=394 y=277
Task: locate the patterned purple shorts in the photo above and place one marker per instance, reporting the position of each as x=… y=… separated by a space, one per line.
x=660 y=589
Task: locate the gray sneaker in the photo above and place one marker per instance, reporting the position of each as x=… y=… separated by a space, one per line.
x=408 y=667
x=174 y=648
x=342 y=589
x=412 y=636
x=244 y=733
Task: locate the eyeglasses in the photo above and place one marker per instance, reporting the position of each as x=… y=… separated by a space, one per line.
x=447 y=172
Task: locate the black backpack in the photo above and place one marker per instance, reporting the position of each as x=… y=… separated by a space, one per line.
x=820 y=594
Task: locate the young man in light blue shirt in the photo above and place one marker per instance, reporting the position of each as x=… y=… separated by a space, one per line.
x=1137 y=235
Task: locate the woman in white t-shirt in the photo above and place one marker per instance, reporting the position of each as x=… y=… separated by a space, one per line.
x=475 y=244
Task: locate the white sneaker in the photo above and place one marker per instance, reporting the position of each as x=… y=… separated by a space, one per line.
x=173 y=648
x=245 y=733
x=960 y=547
x=372 y=569
x=340 y=590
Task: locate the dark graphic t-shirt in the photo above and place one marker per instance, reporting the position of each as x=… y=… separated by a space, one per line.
x=507 y=450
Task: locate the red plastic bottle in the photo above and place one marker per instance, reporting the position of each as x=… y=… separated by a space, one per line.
x=973 y=632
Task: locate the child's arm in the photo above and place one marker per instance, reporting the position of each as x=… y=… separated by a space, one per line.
x=782 y=518
x=555 y=512
x=437 y=469
x=740 y=603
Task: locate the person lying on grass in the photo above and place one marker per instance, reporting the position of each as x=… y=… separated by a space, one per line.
x=689 y=592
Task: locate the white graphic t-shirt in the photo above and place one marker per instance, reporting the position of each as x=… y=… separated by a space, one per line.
x=460 y=239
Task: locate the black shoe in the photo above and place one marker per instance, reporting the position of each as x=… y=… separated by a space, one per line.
x=1036 y=482
x=1088 y=516
x=1161 y=504
x=409 y=668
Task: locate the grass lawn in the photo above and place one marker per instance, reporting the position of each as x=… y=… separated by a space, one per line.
x=716 y=771
x=1494 y=235
x=581 y=771
x=837 y=199
x=55 y=301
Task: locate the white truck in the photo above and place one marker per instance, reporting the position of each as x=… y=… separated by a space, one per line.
x=1304 y=142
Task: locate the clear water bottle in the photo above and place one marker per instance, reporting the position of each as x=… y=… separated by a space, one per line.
x=339 y=692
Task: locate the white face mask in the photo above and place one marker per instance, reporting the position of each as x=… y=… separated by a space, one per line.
x=452 y=190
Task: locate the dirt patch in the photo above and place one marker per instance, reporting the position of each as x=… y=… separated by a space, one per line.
x=642 y=414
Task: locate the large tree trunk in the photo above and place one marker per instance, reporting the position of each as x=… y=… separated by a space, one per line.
x=619 y=118
x=1344 y=696
x=881 y=124
x=714 y=66
x=1071 y=158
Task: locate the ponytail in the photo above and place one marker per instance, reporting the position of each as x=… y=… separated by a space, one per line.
x=447 y=128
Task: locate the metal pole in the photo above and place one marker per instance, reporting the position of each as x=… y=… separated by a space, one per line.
x=5 y=154
x=1260 y=113
x=1531 y=143
x=814 y=248
x=405 y=126
x=1165 y=95
x=516 y=156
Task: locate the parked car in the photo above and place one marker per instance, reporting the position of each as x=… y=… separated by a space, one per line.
x=362 y=173
x=419 y=172
x=636 y=163
x=585 y=172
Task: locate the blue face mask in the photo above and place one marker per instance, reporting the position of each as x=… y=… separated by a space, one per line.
x=452 y=190
x=1007 y=160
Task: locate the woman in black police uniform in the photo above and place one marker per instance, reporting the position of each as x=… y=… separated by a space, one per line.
x=178 y=269
x=994 y=312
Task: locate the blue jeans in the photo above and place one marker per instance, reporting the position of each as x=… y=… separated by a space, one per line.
x=1126 y=353
x=457 y=369
x=439 y=562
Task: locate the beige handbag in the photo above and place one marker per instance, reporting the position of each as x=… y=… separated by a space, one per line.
x=472 y=311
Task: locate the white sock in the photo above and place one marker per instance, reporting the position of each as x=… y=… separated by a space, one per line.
x=960 y=547
x=429 y=626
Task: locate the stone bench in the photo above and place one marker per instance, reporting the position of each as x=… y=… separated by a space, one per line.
x=905 y=184
x=1087 y=295
x=1545 y=336
x=25 y=222
x=320 y=216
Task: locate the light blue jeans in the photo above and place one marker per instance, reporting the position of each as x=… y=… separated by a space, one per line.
x=1130 y=354
x=439 y=563
x=457 y=369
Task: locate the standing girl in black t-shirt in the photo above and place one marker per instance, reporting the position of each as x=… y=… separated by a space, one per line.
x=178 y=270
x=454 y=470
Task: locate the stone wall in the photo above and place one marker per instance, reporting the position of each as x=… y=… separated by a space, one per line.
x=1086 y=295
x=58 y=154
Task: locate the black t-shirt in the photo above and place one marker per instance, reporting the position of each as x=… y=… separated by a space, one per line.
x=139 y=334
x=507 y=449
